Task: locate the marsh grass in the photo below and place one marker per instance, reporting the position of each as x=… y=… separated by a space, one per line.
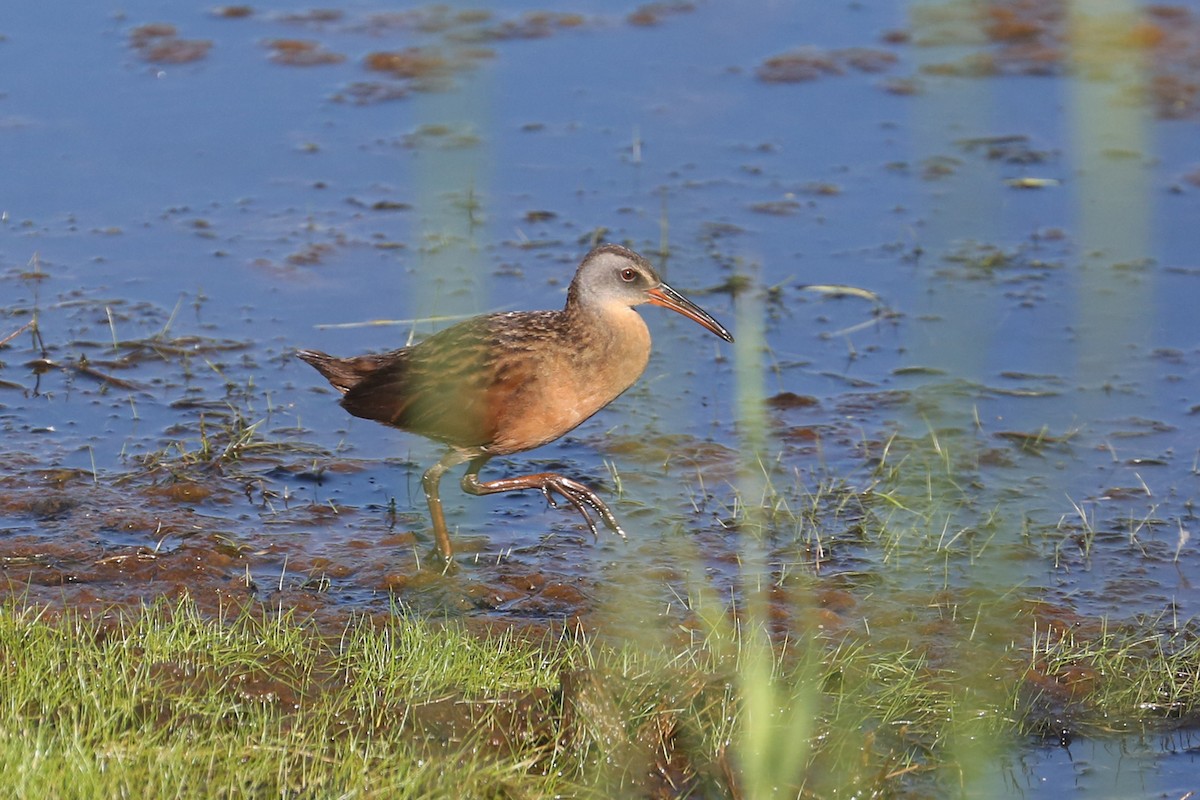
x=224 y=439
x=167 y=701
x=946 y=661
x=1150 y=672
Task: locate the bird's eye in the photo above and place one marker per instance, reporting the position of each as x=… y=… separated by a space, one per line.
x=628 y=275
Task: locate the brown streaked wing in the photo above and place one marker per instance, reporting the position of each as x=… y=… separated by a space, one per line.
x=445 y=387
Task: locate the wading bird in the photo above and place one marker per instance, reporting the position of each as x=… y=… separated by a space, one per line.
x=505 y=383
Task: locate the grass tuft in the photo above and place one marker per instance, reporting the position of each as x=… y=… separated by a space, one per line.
x=166 y=701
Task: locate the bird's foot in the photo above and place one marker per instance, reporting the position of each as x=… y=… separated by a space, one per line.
x=440 y=562
x=550 y=484
x=583 y=499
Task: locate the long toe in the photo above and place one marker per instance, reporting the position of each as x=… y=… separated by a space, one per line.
x=583 y=498
x=579 y=506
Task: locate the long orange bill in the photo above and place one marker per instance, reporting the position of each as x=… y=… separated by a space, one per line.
x=665 y=296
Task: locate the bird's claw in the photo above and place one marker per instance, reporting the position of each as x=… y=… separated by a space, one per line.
x=582 y=498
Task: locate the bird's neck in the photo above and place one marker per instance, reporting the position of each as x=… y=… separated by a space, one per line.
x=620 y=340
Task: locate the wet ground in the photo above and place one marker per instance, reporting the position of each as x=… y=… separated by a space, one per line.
x=958 y=254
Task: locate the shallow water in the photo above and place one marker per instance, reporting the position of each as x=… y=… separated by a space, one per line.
x=1017 y=377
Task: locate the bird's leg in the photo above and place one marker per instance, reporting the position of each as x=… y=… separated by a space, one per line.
x=575 y=492
x=430 y=481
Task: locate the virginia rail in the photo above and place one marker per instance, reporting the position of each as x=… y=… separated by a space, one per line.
x=505 y=383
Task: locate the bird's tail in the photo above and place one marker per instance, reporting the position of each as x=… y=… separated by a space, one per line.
x=341 y=373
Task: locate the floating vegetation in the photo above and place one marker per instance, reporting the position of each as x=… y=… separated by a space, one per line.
x=159 y=43
x=301 y=53
x=811 y=63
